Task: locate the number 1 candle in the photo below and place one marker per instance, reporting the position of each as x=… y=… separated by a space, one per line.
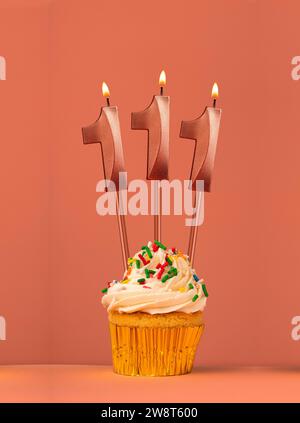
x=106 y=131
x=155 y=119
x=204 y=130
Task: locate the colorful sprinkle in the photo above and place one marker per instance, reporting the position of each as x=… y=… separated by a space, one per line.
x=138 y=264
x=173 y=250
x=154 y=247
x=191 y=286
x=125 y=281
x=195 y=298
x=159 y=244
x=204 y=290
x=145 y=286
x=141 y=280
x=147 y=249
x=182 y=289
x=145 y=262
x=175 y=272
x=165 y=278
x=160 y=273
x=169 y=260
x=195 y=277
x=161 y=266
x=152 y=272
x=104 y=291
x=147 y=273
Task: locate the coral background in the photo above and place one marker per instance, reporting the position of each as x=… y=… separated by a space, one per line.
x=57 y=253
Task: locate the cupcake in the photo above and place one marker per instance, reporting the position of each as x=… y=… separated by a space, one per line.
x=155 y=313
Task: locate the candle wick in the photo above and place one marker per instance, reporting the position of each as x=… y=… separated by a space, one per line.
x=161 y=90
x=214 y=103
x=107 y=101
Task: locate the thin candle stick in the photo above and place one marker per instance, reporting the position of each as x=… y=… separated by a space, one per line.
x=121 y=227
x=194 y=229
x=157 y=214
x=122 y=232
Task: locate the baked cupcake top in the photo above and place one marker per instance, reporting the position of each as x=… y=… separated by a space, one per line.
x=158 y=280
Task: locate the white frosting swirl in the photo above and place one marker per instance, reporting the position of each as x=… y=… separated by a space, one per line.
x=181 y=292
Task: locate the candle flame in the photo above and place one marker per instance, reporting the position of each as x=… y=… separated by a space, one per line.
x=162 y=79
x=215 y=91
x=105 y=90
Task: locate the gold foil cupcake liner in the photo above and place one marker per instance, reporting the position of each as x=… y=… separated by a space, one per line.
x=147 y=351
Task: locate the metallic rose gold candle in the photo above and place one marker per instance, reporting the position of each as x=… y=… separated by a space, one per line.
x=204 y=130
x=106 y=132
x=155 y=119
